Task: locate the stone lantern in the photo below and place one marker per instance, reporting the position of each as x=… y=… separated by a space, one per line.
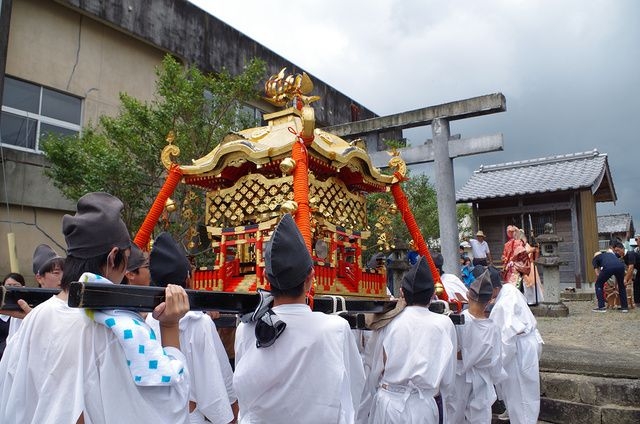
x=397 y=266
x=550 y=262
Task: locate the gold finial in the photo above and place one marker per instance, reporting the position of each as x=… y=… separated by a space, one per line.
x=439 y=289
x=170 y=150
x=281 y=89
x=399 y=164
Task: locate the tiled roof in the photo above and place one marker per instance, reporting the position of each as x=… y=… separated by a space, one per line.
x=543 y=175
x=616 y=223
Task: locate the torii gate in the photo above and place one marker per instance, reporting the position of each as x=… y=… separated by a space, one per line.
x=442 y=150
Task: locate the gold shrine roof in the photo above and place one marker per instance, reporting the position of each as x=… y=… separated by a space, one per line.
x=263 y=145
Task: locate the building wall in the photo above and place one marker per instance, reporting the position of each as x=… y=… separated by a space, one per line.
x=55 y=46
x=205 y=41
x=95 y=49
x=589 y=230
x=31 y=227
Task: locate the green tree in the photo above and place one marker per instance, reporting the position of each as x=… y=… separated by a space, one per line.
x=422 y=199
x=423 y=202
x=121 y=154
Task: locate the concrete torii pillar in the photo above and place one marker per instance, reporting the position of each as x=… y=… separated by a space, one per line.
x=441 y=150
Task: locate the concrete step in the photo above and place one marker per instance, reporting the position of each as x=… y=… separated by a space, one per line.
x=565 y=412
x=577 y=296
x=574 y=398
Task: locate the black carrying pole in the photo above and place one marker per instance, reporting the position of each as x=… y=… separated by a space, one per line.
x=145 y=299
x=32 y=295
x=113 y=296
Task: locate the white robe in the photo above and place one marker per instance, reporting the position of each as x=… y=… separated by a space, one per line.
x=521 y=348
x=207 y=385
x=225 y=365
x=477 y=372
x=61 y=363
x=312 y=373
x=420 y=348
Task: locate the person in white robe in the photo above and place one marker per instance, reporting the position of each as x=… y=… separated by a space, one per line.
x=413 y=359
x=208 y=399
x=454 y=286
x=521 y=349
x=479 y=358
x=66 y=365
x=294 y=365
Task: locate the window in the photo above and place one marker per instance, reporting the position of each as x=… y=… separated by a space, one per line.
x=29 y=111
x=248 y=116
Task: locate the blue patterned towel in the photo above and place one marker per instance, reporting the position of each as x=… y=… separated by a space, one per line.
x=148 y=362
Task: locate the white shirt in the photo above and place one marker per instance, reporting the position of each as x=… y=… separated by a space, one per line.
x=207 y=384
x=313 y=372
x=62 y=363
x=479 y=250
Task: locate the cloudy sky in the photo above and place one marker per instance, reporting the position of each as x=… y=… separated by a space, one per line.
x=570 y=69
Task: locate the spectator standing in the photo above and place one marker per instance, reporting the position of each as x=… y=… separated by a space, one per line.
x=632 y=261
x=466 y=270
x=9 y=325
x=480 y=250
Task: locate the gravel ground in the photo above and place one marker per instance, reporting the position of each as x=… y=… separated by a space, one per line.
x=612 y=331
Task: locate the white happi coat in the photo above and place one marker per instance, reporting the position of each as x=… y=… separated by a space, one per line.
x=61 y=364
x=207 y=385
x=312 y=373
x=479 y=369
x=413 y=359
x=521 y=348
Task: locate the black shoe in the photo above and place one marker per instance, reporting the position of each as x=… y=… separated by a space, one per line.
x=599 y=309
x=623 y=310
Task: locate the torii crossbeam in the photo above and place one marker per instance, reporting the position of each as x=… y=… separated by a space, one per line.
x=442 y=150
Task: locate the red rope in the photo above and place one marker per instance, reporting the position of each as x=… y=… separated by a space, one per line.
x=403 y=206
x=301 y=193
x=150 y=221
